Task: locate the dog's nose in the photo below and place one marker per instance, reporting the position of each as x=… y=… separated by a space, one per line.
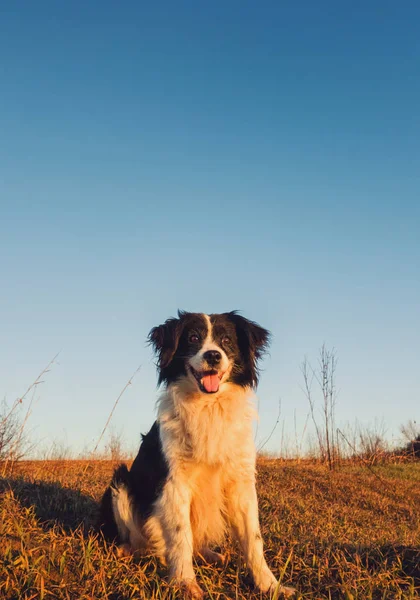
x=212 y=357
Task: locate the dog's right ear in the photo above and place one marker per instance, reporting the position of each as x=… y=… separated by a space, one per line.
x=165 y=340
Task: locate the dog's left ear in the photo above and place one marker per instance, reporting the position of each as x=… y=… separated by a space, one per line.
x=165 y=339
x=253 y=341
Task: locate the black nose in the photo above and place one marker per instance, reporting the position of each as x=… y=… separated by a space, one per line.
x=212 y=357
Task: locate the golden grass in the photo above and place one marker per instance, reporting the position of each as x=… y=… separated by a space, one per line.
x=349 y=534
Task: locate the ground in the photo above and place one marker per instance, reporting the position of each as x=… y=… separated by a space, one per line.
x=352 y=534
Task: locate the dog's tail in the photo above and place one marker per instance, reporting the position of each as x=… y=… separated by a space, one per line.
x=117 y=518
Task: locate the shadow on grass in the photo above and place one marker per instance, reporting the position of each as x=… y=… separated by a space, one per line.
x=54 y=504
x=401 y=560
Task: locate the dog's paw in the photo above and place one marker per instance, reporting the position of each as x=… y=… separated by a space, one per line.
x=190 y=588
x=267 y=583
x=124 y=550
x=282 y=591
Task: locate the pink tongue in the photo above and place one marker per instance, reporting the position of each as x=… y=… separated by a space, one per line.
x=211 y=383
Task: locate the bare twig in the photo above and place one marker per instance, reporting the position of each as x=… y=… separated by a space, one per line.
x=14 y=454
x=112 y=412
x=33 y=384
x=261 y=446
x=325 y=377
x=308 y=377
x=11 y=432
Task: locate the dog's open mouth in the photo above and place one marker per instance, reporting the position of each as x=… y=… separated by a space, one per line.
x=208 y=381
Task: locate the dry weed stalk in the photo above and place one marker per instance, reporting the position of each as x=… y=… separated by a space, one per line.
x=33 y=384
x=261 y=446
x=16 y=439
x=129 y=382
x=325 y=377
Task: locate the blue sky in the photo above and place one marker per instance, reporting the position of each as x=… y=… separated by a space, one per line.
x=208 y=156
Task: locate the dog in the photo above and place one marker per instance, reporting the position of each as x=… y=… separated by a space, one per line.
x=194 y=475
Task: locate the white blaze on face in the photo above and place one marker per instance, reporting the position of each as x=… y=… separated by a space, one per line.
x=212 y=381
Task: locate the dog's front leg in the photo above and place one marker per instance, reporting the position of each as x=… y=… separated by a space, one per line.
x=173 y=510
x=243 y=516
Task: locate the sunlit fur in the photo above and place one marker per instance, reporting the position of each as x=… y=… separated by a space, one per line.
x=208 y=448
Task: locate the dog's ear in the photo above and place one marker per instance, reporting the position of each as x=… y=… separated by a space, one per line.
x=253 y=341
x=165 y=340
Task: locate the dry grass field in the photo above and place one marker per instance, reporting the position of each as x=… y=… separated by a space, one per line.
x=351 y=534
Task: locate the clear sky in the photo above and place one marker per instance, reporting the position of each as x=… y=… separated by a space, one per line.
x=210 y=156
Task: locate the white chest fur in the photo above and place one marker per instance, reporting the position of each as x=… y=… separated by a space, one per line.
x=212 y=430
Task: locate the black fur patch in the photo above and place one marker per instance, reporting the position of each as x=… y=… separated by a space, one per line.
x=170 y=342
x=121 y=477
x=106 y=521
x=252 y=343
x=148 y=472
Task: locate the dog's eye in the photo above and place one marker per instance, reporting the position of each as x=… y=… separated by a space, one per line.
x=194 y=338
x=226 y=339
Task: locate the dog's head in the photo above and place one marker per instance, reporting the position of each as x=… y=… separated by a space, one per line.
x=209 y=350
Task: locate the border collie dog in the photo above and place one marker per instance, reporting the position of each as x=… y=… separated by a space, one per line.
x=194 y=475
